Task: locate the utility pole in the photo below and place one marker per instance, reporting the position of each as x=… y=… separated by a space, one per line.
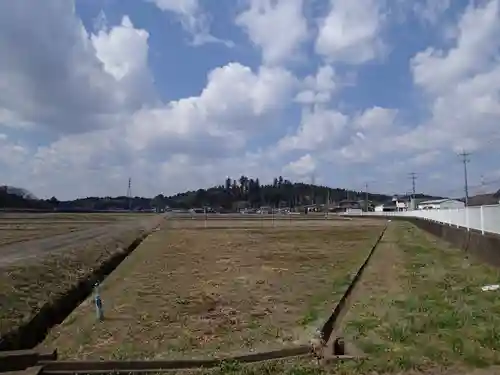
x=366 y=197
x=413 y=177
x=465 y=159
x=313 y=180
x=129 y=194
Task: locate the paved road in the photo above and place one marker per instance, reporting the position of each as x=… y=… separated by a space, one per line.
x=21 y=251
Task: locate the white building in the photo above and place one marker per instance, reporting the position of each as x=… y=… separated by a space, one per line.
x=440 y=204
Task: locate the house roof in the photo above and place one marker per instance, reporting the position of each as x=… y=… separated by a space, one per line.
x=388 y=204
x=437 y=201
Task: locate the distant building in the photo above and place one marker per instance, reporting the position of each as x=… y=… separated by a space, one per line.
x=386 y=207
x=397 y=203
x=348 y=206
x=440 y=204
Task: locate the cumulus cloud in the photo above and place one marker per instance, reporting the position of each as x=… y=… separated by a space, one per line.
x=193 y=19
x=278 y=28
x=301 y=167
x=350 y=32
x=437 y=70
x=319 y=88
x=228 y=110
x=11 y=153
x=462 y=84
x=51 y=75
x=96 y=94
x=236 y=103
x=320 y=128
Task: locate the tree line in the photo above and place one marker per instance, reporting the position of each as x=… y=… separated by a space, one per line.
x=247 y=192
x=233 y=194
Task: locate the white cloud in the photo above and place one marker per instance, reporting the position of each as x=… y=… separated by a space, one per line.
x=123 y=50
x=335 y=136
x=371 y=136
x=193 y=19
x=200 y=130
x=319 y=88
x=185 y=7
x=226 y=112
x=350 y=32
x=12 y=154
x=462 y=85
x=430 y=11
x=50 y=74
x=278 y=27
x=425 y=158
x=301 y=167
x=95 y=93
x=320 y=128
x=478 y=31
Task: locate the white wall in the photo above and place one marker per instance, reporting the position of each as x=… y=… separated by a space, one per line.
x=482 y=218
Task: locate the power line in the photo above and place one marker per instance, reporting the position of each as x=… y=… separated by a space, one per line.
x=464 y=155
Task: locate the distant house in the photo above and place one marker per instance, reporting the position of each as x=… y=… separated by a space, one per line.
x=440 y=204
x=397 y=203
x=386 y=207
x=347 y=206
x=414 y=202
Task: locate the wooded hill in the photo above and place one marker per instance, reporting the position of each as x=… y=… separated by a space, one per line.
x=247 y=192
x=232 y=195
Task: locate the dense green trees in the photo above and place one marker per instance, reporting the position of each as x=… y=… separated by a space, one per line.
x=248 y=192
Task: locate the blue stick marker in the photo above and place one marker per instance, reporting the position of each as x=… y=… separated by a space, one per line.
x=98 y=303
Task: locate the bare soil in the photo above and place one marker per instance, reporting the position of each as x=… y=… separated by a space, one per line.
x=265 y=221
x=190 y=293
x=34 y=238
x=35 y=272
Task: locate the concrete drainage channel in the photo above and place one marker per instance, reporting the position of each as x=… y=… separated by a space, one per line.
x=51 y=314
x=328 y=348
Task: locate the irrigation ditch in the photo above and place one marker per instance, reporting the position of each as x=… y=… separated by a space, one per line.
x=30 y=362
x=34 y=331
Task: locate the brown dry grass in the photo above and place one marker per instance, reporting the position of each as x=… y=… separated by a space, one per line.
x=20 y=227
x=198 y=293
x=10 y=236
x=58 y=217
x=264 y=221
x=26 y=286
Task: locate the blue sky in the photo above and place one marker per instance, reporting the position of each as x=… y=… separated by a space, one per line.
x=179 y=94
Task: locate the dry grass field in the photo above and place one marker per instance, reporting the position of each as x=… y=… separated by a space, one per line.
x=420 y=309
x=256 y=222
x=196 y=292
x=21 y=227
x=51 y=252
